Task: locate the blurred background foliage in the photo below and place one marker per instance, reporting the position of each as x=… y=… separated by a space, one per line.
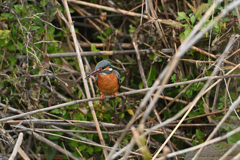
x=30 y=79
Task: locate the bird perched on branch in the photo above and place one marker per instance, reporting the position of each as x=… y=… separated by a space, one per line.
x=108 y=80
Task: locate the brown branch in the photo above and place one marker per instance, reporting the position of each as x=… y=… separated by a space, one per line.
x=204 y=115
x=109 y=53
x=100 y=45
x=211 y=55
x=93 y=126
x=119 y=95
x=124 y=12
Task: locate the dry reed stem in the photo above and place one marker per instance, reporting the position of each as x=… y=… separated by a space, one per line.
x=211 y=55
x=23 y=154
x=109 y=9
x=16 y=147
x=80 y=63
x=98 y=45
x=109 y=53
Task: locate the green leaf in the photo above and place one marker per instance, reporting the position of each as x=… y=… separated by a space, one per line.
x=72 y=106
x=132 y=29
x=101 y=38
x=89 y=150
x=12 y=60
x=34 y=27
x=179 y=18
x=9 y=15
x=55 y=111
x=6 y=14
x=117 y=100
x=190 y=53
x=152 y=74
x=82 y=147
x=20 y=45
x=75 y=154
x=49 y=152
x=182 y=37
x=71 y=10
x=38 y=22
x=173 y=78
x=79 y=94
x=238 y=89
x=66 y=157
x=97 y=149
x=74 y=143
x=121 y=115
x=93 y=48
x=64 y=112
x=140 y=85
x=189 y=93
x=77 y=116
x=152 y=56
x=122 y=79
x=107 y=32
x=187 y=31
x=183 y=15
x=107 y=117
x=225 y=20
x=3 y=42
x=18 y=8
x=193 y=19
x=234 y=138
x=4 y=34
x=41 y=30
x=43 y=2
x=199 y=134
x=90 y=136
x=51 y=30
x=11 y=47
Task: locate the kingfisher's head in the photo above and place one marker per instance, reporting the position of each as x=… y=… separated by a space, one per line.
x=102 y=67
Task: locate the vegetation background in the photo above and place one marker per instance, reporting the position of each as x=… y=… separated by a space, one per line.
x=189 y=47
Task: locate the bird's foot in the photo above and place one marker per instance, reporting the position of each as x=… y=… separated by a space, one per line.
x=101 y=96
x=115 y=94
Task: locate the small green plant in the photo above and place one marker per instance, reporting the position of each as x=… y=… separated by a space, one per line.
x=191 y=19
x=132 y=29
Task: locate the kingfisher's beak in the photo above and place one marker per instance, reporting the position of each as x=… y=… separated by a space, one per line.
x=93 y=73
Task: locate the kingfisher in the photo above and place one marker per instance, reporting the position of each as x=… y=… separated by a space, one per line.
x=108 y=80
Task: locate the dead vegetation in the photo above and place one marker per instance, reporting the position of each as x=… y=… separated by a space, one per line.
x=179 y=63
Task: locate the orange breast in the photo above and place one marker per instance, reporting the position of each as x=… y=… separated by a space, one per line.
x=108 y=84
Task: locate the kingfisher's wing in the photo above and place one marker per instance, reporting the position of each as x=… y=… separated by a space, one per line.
x=96 y=79
x=119 y=77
